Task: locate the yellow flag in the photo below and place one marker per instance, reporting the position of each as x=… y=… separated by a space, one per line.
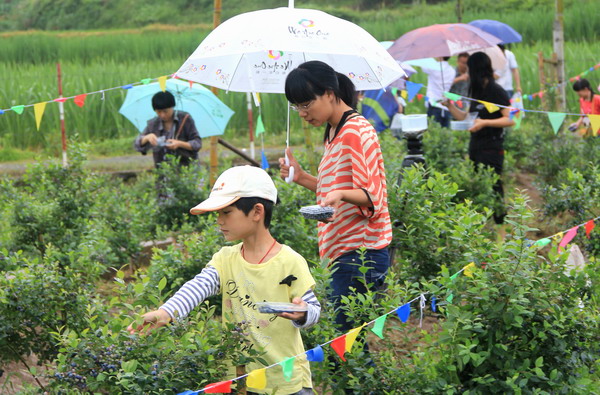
x=491 y=107
x=351 y=337
x=38 y=110
x=404 y=94
x=469 y=269
x=257 y=379
x=162 y=81
x=595 y=121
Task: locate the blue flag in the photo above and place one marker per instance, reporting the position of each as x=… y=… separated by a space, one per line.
x=412 y=88
x=264 y=163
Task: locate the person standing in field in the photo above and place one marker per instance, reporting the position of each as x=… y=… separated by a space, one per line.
x=486 y=145
x=351 y=179
x=508 y=77
x=589 y=103
x=171 y=133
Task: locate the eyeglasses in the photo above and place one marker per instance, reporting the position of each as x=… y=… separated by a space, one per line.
x=301 y=107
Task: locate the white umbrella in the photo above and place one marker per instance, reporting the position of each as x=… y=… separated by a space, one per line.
x=255 y=51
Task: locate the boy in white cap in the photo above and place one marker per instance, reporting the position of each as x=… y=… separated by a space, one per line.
x=256 y=270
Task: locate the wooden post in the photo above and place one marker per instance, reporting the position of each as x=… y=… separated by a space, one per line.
x=559 y=49
x=240 y=371
x=214 y=140
x=542 y=77
x=459 y=11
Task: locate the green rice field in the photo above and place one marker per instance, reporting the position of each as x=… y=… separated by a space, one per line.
x=93 y=61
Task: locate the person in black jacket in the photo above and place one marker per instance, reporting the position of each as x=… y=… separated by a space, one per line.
x=487 y=132
x=171 y=132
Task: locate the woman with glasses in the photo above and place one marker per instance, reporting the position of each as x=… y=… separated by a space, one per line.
x=351 y=179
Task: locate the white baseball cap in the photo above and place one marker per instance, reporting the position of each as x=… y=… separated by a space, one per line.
x=235 y=183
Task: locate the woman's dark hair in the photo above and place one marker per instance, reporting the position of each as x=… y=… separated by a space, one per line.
x=480 y=73
x=163 y=100
x=583 y=84
x=247 y=204
x=314 y=78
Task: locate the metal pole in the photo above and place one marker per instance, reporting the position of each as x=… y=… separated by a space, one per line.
x=250 y=123
x=61 y=110
x=214 y=140
x=559 y=49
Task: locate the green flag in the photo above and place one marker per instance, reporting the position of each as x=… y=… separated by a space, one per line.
x=288 y=368
x=378 y=326
x=260 y=126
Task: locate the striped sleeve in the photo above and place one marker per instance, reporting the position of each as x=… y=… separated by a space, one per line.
x=192 y=293
x=313 y=313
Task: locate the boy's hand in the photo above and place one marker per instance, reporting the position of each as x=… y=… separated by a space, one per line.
x=154 y=319
x=150 y=138
x=299 y=316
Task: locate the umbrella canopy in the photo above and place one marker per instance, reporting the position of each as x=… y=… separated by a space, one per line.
x=209 y=113
x=255 y=51
x=501 y=30
x=441 y=40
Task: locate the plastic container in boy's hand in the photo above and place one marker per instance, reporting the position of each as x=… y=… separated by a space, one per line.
x=279 y=307
x=316 y=212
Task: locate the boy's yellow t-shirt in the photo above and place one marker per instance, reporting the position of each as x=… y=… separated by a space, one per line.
x=242 y=285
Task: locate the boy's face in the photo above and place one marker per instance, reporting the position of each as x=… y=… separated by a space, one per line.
x=234 y=224
x=165 y=115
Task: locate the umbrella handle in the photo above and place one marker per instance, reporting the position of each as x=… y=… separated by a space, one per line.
x=290 y=178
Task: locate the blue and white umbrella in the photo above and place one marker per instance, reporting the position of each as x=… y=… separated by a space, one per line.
x=209 y=113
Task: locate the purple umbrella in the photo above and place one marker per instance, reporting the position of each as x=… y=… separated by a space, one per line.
x=501 y=30
x=441 y=40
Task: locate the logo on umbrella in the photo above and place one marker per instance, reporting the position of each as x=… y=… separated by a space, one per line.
x=275 y=54
x=306 y=23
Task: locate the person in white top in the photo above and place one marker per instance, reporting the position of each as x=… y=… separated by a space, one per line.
x=508 y=77
x=439 y=80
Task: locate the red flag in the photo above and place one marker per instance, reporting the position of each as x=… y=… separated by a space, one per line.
x=420 y=96
x=191 y=83
x=61 y=99
x=222 y=387
x=80 y=99
x=589 y=226
x=339 y=345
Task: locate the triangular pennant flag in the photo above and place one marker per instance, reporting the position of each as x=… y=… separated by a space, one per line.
x=146 y=81
x=450 y=298
x=1 y=112
x=18 y=109
x=419 y=96
x=222 y=387
x=394 y=91
x=589 y=226
x=315 y=354
x=433 y=304
x=542 y=242
x=452 y=96
x=556 y=119
x=595 y=121
x=339 y=346
x=351 y=337
x=128 y=86
x=260 y=126
x=568 y=237
x=378 y=326
x=38 y=111
x=80 y=99
x=453 y=277
x=188 y=392
x=191 y=84
x=288 y=368
x=257 y=379
x=518 y=118
x=162 y=82
x=490 y=107
x=403 y=312
x=60 y=99
x=264 y=162
x=404 y=94
x=469 y=269
x=412 y=89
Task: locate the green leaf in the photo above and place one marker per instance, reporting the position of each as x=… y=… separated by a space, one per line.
x=162 y=283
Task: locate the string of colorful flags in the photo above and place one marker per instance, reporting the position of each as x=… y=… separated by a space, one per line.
x=516 y=111
x=568 y=235
x=341 y=345
x=79 y=100
x=552 y=88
